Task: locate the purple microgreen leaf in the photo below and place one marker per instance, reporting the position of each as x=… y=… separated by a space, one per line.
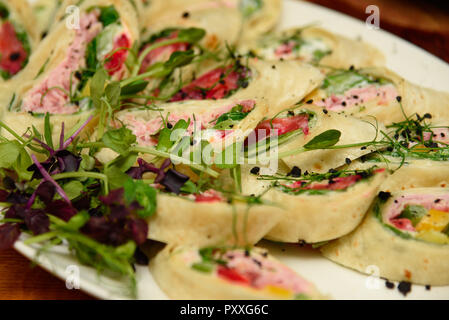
x=47 y=177
x=16 y=212
x=37 y=221
x=46 y=191
x=18 y=197
x=144 y=167
x=140 y=257
x=3 y=195
x=173 y=181
x=48 y=164
x=67 y=161
x=161 y=174
x=61 y=209
x=114 y=197
x=138 y=229
x=9 y=233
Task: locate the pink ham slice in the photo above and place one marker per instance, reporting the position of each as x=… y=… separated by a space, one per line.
x=209 y=85
x=162 y=53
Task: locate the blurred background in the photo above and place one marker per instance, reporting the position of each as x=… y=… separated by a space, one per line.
x=422 y=22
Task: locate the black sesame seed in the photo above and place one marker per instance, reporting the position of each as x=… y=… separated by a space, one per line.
x=343 y=103
x=296 y=172
x=185 y=15
x=384 y=196
x=427 y=116
x=255 y=170
x=399 y=98
x=437 y=200
x=348 y=161
x=169 y=125
x=404 y=287
x=389 y=285
x=351 y=68
x=325 y=111
x=273 y=67
x=363 y=148
x=309 y=101
x=428 y=287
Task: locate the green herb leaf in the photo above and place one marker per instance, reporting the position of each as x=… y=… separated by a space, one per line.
x=87 y=162
x=108 y=15
x=191 y=35
x=230 y=119
x=342 y=81
x=77 y=221
x=125 y=162
x=116 y=177
x=205 y=267
x=48 y=130
x=119 y=140
x=91 y=55
x=97 y=86
x=414 y=213
x=134 y=87
x=324 y=140
x=144 y=194
x=73 y=189
x=9 y=152
x=166 y=141
x=190 y=188
x=113 y=91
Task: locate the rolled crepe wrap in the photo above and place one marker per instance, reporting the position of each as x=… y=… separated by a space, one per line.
x=208 y=219
x=374 y=92
x=207 y=118
x=316 y=214
x=55 y=72
x=280 y=84
x=259 y=16
x=221 y=22
x=190 y=273
x=412 y=174
x=417 y=159
x=352 y=130
x=402 y=250
x=18 y=37
x=65 y=8
x=315 y=45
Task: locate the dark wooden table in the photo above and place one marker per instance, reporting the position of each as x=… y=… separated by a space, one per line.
x=425 y=23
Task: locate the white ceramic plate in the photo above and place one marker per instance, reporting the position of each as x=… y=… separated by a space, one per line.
x=404 y=58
